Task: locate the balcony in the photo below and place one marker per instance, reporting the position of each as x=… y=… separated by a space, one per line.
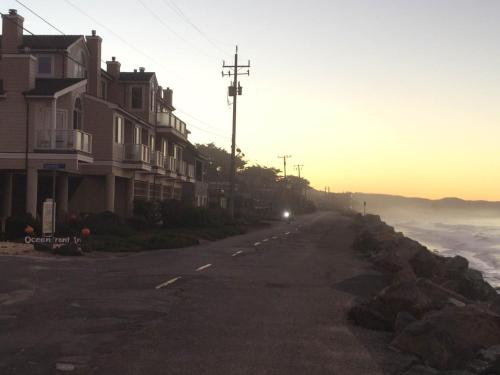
x=191 y=172
x=181 y=168
x=138 y=153
x=157 y=159
x=170 y=123
x=63 y=140
x=170 y=164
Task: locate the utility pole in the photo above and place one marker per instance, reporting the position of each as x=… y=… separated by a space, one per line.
x=284 y=157
x=299 y=168
x=234 y=90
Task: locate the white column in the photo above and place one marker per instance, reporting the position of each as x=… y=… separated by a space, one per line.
x=31 y=191
x=110 y=192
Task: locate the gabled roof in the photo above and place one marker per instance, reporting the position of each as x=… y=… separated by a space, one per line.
x=50 y=86
x=48 y=42
x=136 y=76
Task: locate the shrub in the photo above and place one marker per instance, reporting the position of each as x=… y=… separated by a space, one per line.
x=149 y=211
x=106 y=223
x=15 y=225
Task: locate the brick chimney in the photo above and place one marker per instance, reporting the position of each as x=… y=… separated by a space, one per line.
x=113 y=68
x=12 y=32
x=167 y=96
x=94 y=67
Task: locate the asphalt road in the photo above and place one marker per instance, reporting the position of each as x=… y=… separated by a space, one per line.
x=273 y=301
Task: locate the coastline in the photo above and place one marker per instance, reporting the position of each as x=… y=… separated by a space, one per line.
x=438 y=308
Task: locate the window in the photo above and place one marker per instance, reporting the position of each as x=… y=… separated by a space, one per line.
x=45 y=65
x=118 y=130
x=177 y=153
x=152 y=142
x=77 y=114
x=137 y=135
x=80 y=70
x=136 y=100
x=164 y=147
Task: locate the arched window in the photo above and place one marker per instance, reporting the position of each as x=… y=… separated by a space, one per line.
x=77 y=114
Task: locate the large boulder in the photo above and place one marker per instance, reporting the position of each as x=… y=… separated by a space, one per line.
x=449 y=338
x=470 y=284
x=427 y=264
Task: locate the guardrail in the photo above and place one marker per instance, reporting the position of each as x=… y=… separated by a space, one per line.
x=157 y=159
x=137 y=152
x=67 y=140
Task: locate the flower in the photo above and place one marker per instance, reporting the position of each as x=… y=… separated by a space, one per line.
x=29 y=230
x=85 y=232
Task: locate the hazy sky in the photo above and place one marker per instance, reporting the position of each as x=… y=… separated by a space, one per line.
x=399 y=97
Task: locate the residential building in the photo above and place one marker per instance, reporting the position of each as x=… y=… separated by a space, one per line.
x=112 y=135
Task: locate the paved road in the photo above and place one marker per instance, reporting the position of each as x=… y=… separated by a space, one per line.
x=269 y=302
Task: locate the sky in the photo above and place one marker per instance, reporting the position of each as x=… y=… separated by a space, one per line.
x=398 y=97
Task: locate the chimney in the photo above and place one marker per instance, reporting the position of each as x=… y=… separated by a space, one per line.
x=113 y=67
x=142 y=69
x=167 y=96
x=12 y=32
x=94 y=67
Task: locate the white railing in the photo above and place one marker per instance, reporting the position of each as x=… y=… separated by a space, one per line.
x=137 y=152
x=56 y=139
x=170 y=120
x=190 y=171
x=157 y=159
x=181 y=168
x=170 y=164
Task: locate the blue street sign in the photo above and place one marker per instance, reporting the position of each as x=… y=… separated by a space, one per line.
x=54 y=166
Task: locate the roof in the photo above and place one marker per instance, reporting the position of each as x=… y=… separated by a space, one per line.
x=48 y=42
x=50 y=86
x=136 y=76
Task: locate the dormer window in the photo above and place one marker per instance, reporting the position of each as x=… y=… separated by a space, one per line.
x=136 y=100
x=45 y=66
x=152 y=99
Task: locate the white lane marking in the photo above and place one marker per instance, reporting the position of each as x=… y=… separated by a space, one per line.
x=287 y=233
x=237 y=253
x=275 y=237
x=204 y=267
x=256 y=244
x=265 y=240
x=167 y=283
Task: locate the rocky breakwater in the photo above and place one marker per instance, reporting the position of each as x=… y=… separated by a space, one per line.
x=440 y=310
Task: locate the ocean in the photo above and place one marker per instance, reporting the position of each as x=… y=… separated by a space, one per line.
x=476 y=239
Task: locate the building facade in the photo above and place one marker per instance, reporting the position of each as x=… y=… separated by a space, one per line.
x=110 y=137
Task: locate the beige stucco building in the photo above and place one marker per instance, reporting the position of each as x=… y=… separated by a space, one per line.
x=113 y=134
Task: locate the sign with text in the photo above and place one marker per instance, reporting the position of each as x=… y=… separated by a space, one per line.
x=54 y=166
x=48 y=217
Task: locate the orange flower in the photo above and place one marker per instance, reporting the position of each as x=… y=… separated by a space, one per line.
x=29 y=230
x=85 y=232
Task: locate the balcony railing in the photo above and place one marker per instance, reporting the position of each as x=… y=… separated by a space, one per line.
x=182 y=168
x=170 y=120
x=170 y=164
x=157 y=159
x=190 y=171
x=137 y=153
x=64 y=140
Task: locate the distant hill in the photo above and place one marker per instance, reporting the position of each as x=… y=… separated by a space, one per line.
x=393 y=204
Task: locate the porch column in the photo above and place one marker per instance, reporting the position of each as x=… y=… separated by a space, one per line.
x=31 y=191
x=130 y=196
x=110 y=192
x=7 y=199
x=62 y=194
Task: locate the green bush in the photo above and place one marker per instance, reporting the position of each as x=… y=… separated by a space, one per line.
x=106 y=223
x=15 y=226
x=178 y=214
x=149 y=211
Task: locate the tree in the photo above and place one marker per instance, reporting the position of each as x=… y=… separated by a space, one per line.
x=218 y=168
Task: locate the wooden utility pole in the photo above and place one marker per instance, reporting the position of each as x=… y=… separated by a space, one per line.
x=234 y=90
x=284 y=157
x=299 y=168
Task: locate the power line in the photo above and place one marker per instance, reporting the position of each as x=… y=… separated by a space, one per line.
x=36 y=14
x=284 y=157
x=164 y=24
x=173 y=6
x=124 y=41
